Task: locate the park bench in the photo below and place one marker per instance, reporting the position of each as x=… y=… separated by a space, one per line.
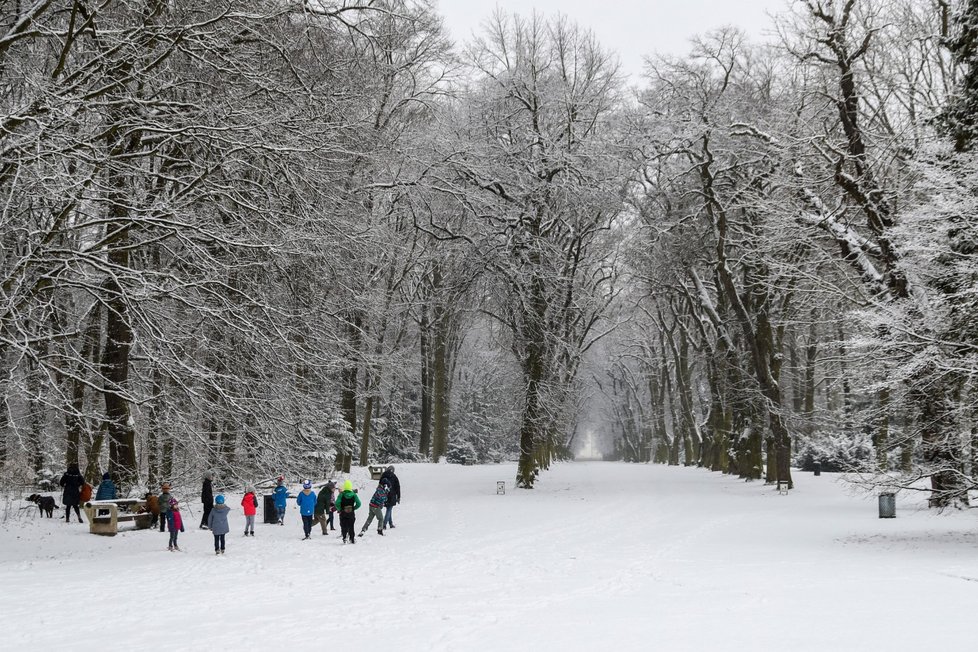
x=377 y=470
x=104 y=516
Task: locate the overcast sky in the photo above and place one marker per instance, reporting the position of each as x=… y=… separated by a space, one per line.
x=633 y=28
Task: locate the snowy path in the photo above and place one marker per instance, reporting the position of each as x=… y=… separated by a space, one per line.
x=599 y=556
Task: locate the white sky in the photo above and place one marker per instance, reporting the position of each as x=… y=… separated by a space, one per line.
x=633 y=28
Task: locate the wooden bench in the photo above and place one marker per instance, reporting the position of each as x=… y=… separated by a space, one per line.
x=377 y=470
x=104 y=516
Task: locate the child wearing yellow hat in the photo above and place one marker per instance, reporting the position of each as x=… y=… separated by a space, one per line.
x=347 y=503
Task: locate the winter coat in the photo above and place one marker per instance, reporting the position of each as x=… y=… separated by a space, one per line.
x=281 y=496
x=106 y=490
x=325 y=500
x=164 y=502
x=175 y=521
x=207 y=492
x=395 y=495
x=217 y=521
x=379 y=499
x=347 y=497
x=72 y=481
x=250 y=504
x=306 y=502
x=86 y=493
x=153 y=504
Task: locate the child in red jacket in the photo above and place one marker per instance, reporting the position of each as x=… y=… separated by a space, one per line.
x=250 y=505
x=175 y=521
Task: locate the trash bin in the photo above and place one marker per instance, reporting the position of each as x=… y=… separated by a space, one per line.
x=817 y=468
x=887 y=505
x=271 y=514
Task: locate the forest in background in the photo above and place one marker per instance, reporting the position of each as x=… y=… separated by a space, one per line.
x=290 y=236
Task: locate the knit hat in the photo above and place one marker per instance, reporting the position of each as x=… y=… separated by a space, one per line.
x=307 y=484
x=347 y=486
x=106 y=476
x=219 y=500
x=280 y=479
x=173 y=502
x=390 y=468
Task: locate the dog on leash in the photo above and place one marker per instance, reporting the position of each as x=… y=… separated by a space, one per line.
x=44 y=504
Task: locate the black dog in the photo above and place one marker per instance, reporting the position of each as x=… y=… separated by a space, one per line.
x=44 y=504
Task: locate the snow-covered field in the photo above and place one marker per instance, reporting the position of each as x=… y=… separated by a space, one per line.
x=600 y=556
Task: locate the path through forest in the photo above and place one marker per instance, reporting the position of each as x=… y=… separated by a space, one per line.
x=598 y=556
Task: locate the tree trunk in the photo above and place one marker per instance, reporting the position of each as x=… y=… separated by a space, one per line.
x=36 y=416
x=115 y=364
x=155 y=433
x=368 y=409
x=440 y=386
x=881 y=436
x=348 y=396
x=424 y=445
x=5 y=422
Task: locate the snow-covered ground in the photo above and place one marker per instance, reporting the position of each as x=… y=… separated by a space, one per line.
x=599 y=556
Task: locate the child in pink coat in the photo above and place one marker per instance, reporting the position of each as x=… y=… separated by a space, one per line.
x=175 y=521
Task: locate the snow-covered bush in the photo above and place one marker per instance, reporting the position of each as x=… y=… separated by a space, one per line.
x=835 y=452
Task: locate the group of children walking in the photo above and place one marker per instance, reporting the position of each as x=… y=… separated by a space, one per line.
x=313 y=509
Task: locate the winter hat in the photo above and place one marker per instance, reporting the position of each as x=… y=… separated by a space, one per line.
x=165 y=486
x=390 y=468
x=307 y=484
x=209 y=475
x=105 y=476
x=347 y=486
x=280 y=479
x=219 y=500
x=173 y=502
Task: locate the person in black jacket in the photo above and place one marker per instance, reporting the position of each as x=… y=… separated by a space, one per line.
x=207 y=498
x=394 y=497
x=72 y=481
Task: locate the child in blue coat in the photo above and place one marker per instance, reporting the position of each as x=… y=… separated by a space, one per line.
x=307 y=506
x=281 y=496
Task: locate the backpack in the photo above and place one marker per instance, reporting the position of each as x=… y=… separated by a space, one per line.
x=347 y=503
x=254 y=499
x=86 y=493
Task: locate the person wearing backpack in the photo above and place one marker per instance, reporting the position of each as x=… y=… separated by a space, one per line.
x=250 y=505
x=377 y=502
x=347 y=503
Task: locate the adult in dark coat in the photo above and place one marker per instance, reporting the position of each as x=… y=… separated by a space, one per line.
x=72 y=482
x=207 y=498
x=394 y=497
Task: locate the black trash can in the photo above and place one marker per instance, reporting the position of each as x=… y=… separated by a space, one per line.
x=817 y=468
x=271 y=514
x=887 y=505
